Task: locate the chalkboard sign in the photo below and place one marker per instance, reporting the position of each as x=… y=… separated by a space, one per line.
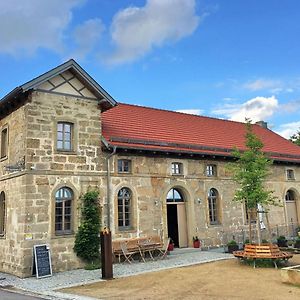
x=42 y=261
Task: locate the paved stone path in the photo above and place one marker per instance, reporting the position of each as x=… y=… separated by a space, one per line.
x=47 y=286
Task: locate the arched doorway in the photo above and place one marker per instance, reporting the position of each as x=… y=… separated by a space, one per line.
x=176 y=218
x=291 y=208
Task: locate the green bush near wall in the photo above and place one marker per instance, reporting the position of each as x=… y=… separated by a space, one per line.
x=87 y=241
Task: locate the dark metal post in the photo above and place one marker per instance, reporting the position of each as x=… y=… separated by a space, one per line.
x=106 y=254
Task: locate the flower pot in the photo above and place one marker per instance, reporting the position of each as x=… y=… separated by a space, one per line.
x=297 y=244
x=196 y=244
x=171 y=247
x=282 y=243
x=232 y=248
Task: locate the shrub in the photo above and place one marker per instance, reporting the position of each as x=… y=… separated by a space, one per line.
x=232 y=243
x=87 y=241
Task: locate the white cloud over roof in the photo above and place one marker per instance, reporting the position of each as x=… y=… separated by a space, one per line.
x=136 y=30
x=288 y=129
x=256 y=109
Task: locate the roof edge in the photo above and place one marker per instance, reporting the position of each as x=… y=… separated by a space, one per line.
x=70 y=64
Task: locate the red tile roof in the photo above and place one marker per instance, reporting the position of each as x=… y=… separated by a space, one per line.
x=137 y=127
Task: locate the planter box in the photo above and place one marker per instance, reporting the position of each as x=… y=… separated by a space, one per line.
x=291 y=275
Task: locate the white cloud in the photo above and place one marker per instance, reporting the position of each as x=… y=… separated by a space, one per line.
x=136 y=30
x=86 y=37
x=262 y=84
x=290 y=107
x=191 y=111
x=257 y=109
x=288 y=129
x=28 y=25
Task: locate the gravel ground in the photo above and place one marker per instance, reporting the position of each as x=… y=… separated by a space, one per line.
x=47 y=286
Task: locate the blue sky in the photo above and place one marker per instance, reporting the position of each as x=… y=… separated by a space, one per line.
x=229 y=59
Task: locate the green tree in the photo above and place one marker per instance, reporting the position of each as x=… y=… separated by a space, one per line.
x=87 y=241
x=295 y=138
x=250 y=171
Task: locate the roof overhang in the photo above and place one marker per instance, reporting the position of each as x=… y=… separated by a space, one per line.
x=156 y=147
x=105 y=100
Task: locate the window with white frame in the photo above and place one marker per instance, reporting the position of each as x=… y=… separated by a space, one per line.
x=63 y=211
x=64 y=136
x=124 y=209
x=177 y=168
x=213 y=206
x=124 y=166
x=211 y=170
x=290 y=175
x=4 y=143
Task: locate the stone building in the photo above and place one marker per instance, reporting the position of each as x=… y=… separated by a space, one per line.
x=158 y=172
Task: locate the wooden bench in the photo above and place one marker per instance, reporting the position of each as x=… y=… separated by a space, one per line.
x=134 y=245
x=264 y=251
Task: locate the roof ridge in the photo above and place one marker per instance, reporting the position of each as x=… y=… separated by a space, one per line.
x=182 y=113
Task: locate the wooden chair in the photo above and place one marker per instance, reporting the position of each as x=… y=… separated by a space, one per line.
x=116 y=249
x=128 y=253
x=164 y=250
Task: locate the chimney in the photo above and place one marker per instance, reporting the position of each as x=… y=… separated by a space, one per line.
x=262 y=124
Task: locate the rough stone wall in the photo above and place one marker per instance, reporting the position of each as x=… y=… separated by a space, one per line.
x=49 y=169
x=11 y=251
x=43 y=113
x=15 y=122
x=151 y=179
x=30 y=194
x=13 y=185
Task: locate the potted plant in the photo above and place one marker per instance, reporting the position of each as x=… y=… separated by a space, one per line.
x=281 y=241
x=196 y=242
x=297 y=243
x=171 y=245
x=232 y=246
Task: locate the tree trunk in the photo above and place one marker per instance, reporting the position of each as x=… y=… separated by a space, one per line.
x=258 y=228
x=250 y=227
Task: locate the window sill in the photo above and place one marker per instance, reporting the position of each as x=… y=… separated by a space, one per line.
x=177 y=175
x=129 y=230
x=290 y=179
x=65 y=152
x=63 y=235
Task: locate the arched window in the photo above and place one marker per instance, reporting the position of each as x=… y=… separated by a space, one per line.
x=124 y=209
x=63 y=211
x=290 y=196
x=174 y=196
x=2 y=213
x=213 y=206
x=292 y=208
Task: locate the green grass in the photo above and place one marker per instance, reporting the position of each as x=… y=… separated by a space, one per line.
x=94 y=265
